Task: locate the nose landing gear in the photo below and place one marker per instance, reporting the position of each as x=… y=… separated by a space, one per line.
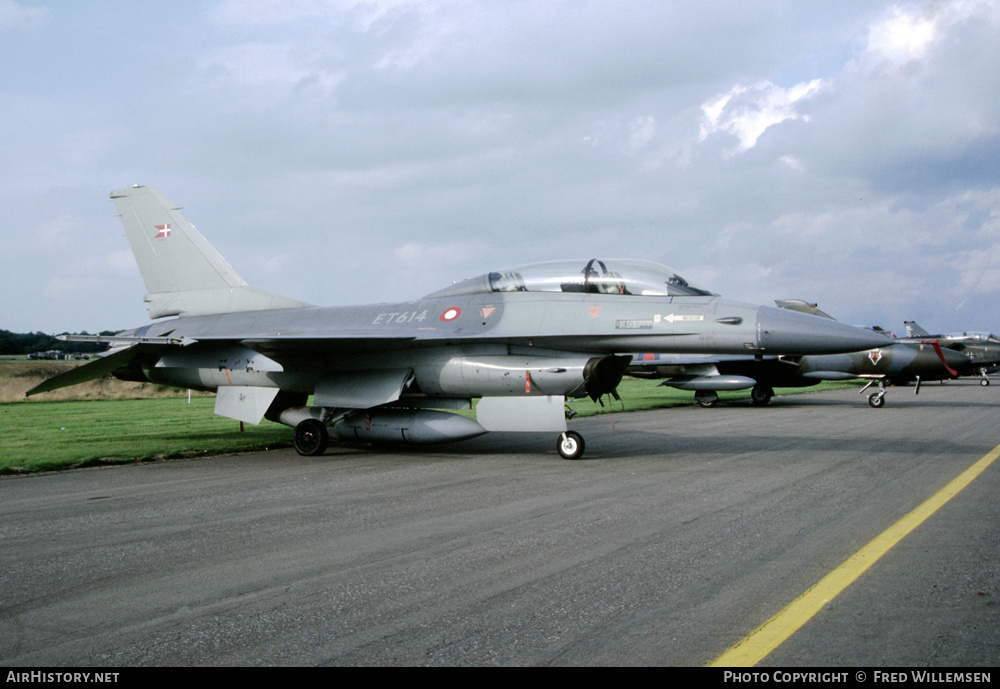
x=570 y=445
x=876 y=399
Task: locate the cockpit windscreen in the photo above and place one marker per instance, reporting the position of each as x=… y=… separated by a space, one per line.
x=596 y=276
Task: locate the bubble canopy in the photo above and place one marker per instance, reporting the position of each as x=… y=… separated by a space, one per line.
x=596 y=276
x=975 y=337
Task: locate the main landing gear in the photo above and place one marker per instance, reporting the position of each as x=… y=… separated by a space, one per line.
x=761 y=395
x=311 y=438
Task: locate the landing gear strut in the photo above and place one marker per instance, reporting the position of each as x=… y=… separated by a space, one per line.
x=877 y=399
x=570 y=445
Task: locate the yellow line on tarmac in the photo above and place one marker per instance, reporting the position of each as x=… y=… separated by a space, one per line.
x=755 y=647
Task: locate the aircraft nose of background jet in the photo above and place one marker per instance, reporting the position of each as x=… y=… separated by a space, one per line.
x=954 y=359
x=789 y=332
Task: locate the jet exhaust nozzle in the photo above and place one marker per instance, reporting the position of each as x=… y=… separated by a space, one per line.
x=602 y=376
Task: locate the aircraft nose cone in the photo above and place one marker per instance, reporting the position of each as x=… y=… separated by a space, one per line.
x=780 y=331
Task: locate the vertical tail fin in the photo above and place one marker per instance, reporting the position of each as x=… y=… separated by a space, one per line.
x=914 y=330
x=184 y=274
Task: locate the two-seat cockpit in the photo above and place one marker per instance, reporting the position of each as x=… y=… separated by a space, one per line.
x=972 y=338
x=596 y=276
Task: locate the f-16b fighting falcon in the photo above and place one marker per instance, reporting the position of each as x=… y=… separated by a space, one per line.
x=520 y=341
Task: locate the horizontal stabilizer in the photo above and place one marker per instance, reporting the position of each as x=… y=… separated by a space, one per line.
x=89 y=371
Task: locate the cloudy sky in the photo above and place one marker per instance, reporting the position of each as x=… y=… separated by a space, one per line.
x=346 y=151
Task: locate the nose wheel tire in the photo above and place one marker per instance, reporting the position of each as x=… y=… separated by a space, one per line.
x=876 y=399
x=311 y=438
x=570 y=445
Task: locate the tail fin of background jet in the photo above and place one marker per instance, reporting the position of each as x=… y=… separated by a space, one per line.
x=914 y=330
x=184 y=274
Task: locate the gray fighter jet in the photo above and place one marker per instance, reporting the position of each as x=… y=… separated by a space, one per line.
x=521 y=341
x=982 y=349
x=915 y=359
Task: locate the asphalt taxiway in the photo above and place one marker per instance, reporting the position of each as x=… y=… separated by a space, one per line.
x=680 y=533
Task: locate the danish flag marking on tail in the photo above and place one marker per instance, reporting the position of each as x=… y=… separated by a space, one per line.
x=164 y=231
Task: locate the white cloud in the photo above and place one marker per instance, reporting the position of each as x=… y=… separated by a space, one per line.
x=903 y=37
x=748 y=111
x=908 y=33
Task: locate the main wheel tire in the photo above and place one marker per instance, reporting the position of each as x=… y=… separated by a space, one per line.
x=876 y=400
x=706 y=398
x=984 y=382
x=311 y=438
x=761 y=395
x=570 y=445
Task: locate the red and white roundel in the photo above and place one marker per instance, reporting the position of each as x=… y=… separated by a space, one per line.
x=450 y=314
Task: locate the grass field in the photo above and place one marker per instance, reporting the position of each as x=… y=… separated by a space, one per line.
x=18 y=375
x=110 y=421
x=41 y=436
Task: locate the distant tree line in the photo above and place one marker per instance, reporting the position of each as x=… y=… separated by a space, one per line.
x=27 y=343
